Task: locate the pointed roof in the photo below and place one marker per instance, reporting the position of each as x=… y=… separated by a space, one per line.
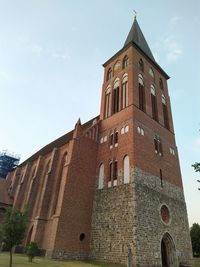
x=136 y=36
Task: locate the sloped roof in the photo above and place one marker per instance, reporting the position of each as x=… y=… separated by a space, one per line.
x=4 y=197
x=136 y=36
x=58 y=142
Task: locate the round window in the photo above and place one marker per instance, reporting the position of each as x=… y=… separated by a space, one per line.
x=164 y=211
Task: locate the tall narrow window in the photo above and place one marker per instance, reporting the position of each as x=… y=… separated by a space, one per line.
x=125 y=91
x=107 y=102
x=116 y=137
x=161 y=178
x=141 y=65
x=115 y=173
x=126 y=170
x=110 y=174
x=151 y=73
x=141 y=93
x=101 y=176
x=165 y=113
x=154 y=103
x=161 y=84
x=158 y=146
x=125 y=62
x=109 y=74
x=111 y=139
x=116 y=97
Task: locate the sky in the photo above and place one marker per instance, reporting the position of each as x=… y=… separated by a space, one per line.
x=51 y=56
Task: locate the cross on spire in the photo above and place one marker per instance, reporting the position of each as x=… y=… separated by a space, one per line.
x=135 y=14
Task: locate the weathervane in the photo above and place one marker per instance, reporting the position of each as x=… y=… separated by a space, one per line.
x=135 y=14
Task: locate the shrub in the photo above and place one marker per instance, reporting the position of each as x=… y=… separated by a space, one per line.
x=32 y=250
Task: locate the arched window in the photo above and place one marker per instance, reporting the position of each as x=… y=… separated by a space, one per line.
x=161 y=84
x=151 y=73
x=65 y=159
x=141 y=65
x=107 y=102
x=115 y=173
x=165 y=112
x=125 y=91
x=141 y=93
x=101 y=176
x=125 y=62
x=109 y=74
x=126 y=169
x=111 y=139
x=154 y=103
x=116 y=96
x=110 y=174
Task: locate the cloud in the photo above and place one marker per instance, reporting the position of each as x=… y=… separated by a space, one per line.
x=197 y=141
x=174 y=20
x=41 y=50
x=36 y=49
x=171 y=48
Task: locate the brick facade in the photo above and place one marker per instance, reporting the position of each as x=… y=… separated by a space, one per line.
x=74 y=215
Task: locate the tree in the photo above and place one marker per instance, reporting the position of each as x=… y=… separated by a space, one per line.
x=13 y=229
x=196 y=167
x=32 y=250
x=195 y=237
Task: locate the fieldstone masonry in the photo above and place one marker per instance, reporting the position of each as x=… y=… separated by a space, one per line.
x=150 y=196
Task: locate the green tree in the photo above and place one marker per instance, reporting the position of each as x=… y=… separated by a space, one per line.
x=196 y=166
x=195 y=237
x=32 y=250
x=13 y=229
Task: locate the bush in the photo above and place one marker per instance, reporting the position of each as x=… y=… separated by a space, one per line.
x=32 y=250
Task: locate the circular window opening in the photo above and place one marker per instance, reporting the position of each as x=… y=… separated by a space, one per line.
x=164 y=211
x=82 y=236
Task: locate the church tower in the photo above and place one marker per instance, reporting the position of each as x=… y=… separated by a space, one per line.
x=139 y=207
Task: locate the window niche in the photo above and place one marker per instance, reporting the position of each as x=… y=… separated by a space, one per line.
x=125 y=62
x=141 y=65
x=154 y=103
x=116 y=96
x=126 y=170
x=101 y=176
x=109 y=74
x=141 y=93
x=125 y=91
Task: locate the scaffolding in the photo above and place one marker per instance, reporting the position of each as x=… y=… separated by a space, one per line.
x=8 y=162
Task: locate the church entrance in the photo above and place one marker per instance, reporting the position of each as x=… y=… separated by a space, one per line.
x=168 y=253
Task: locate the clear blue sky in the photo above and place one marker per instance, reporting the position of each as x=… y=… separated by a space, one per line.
x=51 y=56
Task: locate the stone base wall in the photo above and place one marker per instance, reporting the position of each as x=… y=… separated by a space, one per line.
x=113 y=224
x=150 y=196
x=67 y=255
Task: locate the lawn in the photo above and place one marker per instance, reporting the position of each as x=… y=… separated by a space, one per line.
x=20 y=260
x=196 y=262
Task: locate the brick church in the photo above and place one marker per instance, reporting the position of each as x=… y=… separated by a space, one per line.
x=112 y=185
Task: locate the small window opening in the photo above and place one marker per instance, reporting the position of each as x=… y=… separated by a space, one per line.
x=82 y=236
x=161 y=178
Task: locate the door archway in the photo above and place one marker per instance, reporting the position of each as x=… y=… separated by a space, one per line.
x=168 y=251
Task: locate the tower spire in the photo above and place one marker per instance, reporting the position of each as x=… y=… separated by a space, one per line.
x=136 y=36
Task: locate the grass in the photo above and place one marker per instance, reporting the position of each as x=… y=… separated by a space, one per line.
x=196 y=262
x=20 y=260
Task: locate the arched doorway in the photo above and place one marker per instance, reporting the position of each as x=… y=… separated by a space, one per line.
x=168 y=252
